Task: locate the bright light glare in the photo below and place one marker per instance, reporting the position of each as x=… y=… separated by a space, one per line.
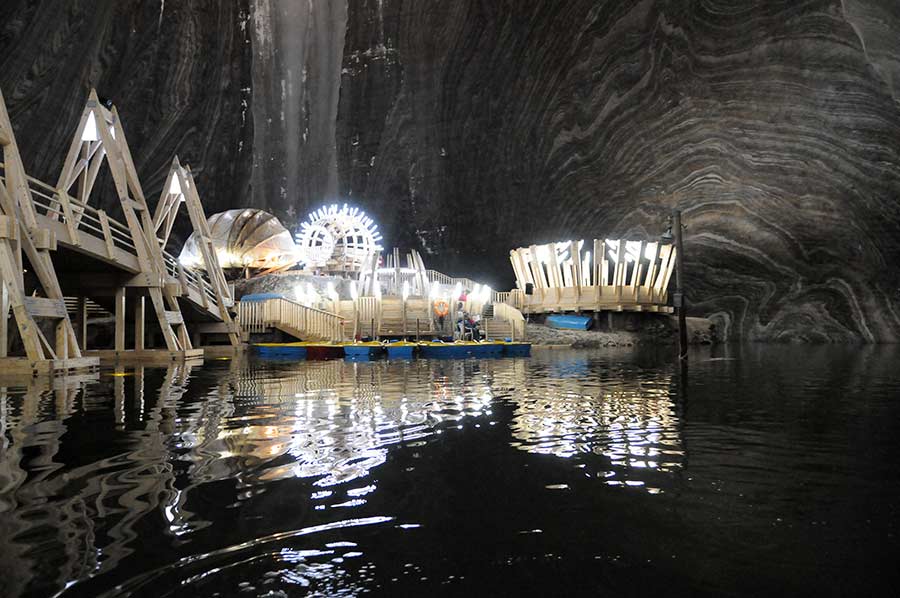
x=90 y=129
x=354 y=292
x=175 y=186
x=632 y=250
x=405 y=292
x=457 y=291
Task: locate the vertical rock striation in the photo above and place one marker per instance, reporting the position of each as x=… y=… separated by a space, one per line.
x=297 y=51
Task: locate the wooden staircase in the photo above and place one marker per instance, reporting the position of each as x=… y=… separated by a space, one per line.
x=299 y=321
x=501 y=321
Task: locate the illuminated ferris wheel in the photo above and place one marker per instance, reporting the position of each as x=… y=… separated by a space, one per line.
x=338 y=239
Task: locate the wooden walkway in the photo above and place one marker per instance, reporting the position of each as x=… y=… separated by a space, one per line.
x=83 y=255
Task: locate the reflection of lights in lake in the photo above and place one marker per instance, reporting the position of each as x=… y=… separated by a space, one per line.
x=630 y=422
x=336 y=418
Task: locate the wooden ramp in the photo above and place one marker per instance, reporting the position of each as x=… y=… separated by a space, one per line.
x=75 y=248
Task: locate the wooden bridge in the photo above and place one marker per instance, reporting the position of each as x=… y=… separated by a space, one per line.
x=80 y=255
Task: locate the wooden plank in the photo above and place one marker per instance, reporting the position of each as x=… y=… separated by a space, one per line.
x=41 y=307
x=147 y=356
x=14 y=368
x=174 y=317
x=44 y=239
x=8 y=228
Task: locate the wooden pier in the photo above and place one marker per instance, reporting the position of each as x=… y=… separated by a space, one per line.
x=60 y=257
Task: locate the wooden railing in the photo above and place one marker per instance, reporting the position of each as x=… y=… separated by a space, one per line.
x=465 y=283
x=115 y=235
x=508 y=313
x=307 y=322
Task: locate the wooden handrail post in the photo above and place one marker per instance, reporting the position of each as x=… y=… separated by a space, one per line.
x=678 y=298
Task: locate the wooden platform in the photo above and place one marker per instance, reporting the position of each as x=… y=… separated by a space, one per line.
x=617 y=275
x=148 y=356
x=22 y=367
x=220 y=351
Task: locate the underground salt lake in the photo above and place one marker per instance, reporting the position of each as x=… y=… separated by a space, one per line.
x=762 y=470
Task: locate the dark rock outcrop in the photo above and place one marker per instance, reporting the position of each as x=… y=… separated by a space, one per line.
x=467 y=128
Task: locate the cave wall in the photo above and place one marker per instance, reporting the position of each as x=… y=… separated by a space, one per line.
x=470 y=127
x=772 y=124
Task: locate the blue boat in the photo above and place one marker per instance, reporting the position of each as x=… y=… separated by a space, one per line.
x=569 y=322
x=439 y=350
x=511 y=349
x=295 y=351
x=362 y=350
x=490 y=349
x=400 y=350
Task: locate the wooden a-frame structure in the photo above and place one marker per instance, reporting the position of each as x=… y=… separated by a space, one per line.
x=180 y=188
x=100 y=138
x=19 y=232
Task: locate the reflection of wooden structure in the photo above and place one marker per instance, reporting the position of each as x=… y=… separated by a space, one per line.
x=613 y=275
x=96 y=259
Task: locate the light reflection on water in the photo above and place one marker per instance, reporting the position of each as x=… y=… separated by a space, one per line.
x=251 y=477
x=161 y=439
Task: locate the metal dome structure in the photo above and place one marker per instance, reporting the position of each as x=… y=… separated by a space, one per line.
x=338 y=239
x=245 y=238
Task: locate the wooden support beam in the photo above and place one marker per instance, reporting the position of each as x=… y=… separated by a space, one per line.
x=107 y=235
x=120 y=319
x=81 y=321
x=139 y=305
x=8 y=228
x=4 y=319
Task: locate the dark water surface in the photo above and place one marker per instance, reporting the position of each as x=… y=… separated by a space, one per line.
x=768 y=471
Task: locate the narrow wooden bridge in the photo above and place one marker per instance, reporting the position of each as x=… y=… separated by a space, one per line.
x=78 y=254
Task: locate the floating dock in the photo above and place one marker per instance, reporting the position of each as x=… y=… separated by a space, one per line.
x=300 y=351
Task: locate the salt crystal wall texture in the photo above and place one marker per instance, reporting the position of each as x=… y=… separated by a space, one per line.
x=468 y=127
